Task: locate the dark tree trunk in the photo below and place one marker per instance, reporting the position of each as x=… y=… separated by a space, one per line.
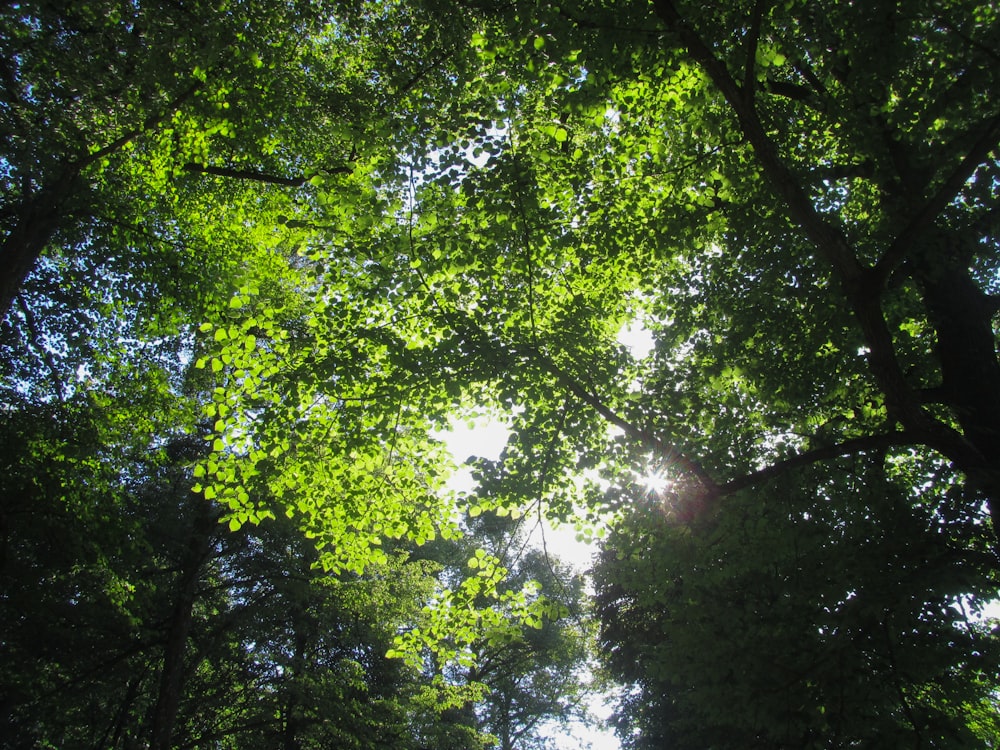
x=172 y=675
x=38 y=218
x=290 y=732
x=966 y=348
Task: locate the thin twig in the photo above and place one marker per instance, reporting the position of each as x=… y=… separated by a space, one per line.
x=45 y=354
x=255 y=176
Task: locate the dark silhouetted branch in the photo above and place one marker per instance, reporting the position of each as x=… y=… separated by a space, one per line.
x=988 y=140
x=648 y=439
x=255 y=176
x=827 y=452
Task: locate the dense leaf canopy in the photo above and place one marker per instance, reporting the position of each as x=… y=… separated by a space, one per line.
x=299 y=237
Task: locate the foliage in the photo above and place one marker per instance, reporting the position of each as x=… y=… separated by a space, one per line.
x=808 y=614
x=531 y=671
x=99 y=579
x=357 y=219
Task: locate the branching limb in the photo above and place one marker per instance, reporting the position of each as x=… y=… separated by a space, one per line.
x=255 y=176
x=862 y=286
x=150 y=123
x=38 y=217
x=827 y=452
x=828 y=241
x=645 y=437
x=583 y=23
x=950 y=188
x=975 y=44
x=806 y=71
x=417 y=77
x=753 y=39
x=39 y=346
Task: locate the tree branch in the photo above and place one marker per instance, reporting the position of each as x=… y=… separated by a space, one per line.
x=753 y=39
x=975 y=44
x=410 y=84
x=583 y=23
x=827 y=239
x=803 y=69
x=794 y=91
x=255 y=176
x=38 y=218
x=149 y=123
x=36 y=342
x=847 y=448
x=861 y=286
x=949 y=190
x=646 y=438
x=39 y=215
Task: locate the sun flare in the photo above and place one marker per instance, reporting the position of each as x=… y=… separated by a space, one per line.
x=656 y=482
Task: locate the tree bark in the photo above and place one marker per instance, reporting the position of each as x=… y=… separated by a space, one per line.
x=38 y=219
x=172 y=675
x=962 y=316
x=41 y=214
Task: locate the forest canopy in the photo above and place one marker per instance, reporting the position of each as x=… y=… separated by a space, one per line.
x=257 y=255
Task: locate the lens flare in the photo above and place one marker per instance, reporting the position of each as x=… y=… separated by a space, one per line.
x=656 y=482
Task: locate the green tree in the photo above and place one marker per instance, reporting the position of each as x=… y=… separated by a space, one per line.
x=357 y=219
x=778 y=207
x=134 y=618
x=98 y=576
x=809 y=614
x=537 y=679
x=296 y=658
x=533 y=675
x=217 y=182
x=797 y=200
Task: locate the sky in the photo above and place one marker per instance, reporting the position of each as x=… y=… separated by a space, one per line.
x=486 y=438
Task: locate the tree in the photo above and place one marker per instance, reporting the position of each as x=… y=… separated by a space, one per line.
x=533 y=673
x=788 y=208
x=748 y=182
x=295 y=657
x=797 y=200
x=202 y=189
x=135 y=618
x=797 y=617
x=536 y=679
x=100 y=573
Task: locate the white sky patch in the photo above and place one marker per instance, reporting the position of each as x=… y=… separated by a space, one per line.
x=561 y=542
x=578 y=737
x=486 y=437
x=637 y=339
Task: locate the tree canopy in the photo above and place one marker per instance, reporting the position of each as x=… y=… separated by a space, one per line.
x=269 y=249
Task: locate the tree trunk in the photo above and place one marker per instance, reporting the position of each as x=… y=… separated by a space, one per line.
x=290 y=732
x=38 y=218
x=966 y=348
x=172 y=676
